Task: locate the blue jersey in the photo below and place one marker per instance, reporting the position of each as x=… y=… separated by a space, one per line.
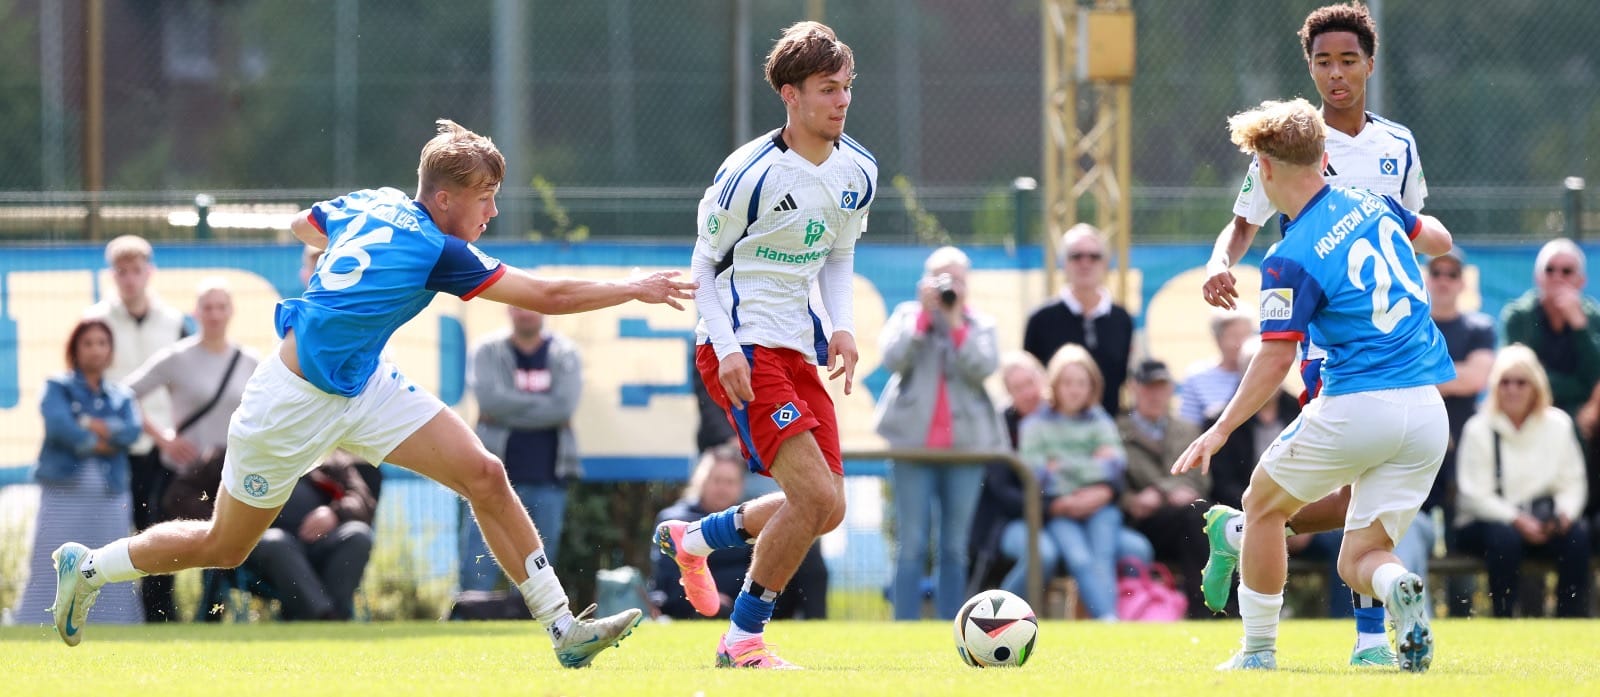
x=384 y=263
x=1345 y=276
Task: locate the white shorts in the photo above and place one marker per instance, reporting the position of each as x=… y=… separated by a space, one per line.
x=1387 y=443
x=285 y=426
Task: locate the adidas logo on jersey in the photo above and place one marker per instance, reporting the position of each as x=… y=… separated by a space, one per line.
x=787 y=204
x=1329 y=171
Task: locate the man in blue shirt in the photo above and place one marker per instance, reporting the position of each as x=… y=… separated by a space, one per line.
x=1346 y=277
x=328 y=386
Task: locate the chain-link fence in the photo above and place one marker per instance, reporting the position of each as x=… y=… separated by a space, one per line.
x=622 y=109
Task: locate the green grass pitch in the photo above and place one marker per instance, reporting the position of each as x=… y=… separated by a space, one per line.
x=1473 y=657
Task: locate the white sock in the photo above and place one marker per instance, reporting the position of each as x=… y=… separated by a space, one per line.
x=1367 y=641
x=1384 y=578
x=1260 y=614
x=545 y=597
x=1233 y=533
x=736 y=635
x=109 y=564
x=694 y=541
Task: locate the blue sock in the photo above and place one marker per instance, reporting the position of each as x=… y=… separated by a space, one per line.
x=753 y=607
x=1369 y=614
x=721 y=529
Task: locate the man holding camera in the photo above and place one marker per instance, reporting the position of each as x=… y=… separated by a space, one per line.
x=939 y=352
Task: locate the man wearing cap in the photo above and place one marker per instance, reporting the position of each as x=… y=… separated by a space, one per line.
x=1157 y=503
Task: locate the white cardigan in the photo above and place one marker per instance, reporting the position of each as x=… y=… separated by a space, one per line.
x=1542 y=459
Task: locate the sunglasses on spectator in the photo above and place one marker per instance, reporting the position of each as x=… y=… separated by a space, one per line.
x=1553 y=270
x=1085 y=256
x=1452 y=275
x=1514 y=382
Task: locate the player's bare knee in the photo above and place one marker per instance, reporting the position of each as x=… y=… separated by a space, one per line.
x=837 y=516
x=227 y=554
x=483 y=479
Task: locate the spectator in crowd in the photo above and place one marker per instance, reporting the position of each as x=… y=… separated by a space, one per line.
x=142 y=325
x=1522 y=488
x=1209 y=386
x=1158 y=504
x=1470 y=337
x=1588 y=422
x=1084 y=314
x=1025 y=382
x=718 y=482
x=315 y=553
x=204 y=377
x=1074 y=450
x=939 y=351
x=527 y=380
x=1000 y=497
x=89 y=423
x=1560 y=324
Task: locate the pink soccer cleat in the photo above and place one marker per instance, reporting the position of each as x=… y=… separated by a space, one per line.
x=750 y=653
x=695 y=577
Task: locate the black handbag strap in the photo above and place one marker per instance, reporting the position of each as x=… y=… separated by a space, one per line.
x=202 y=411
x=1499 y=477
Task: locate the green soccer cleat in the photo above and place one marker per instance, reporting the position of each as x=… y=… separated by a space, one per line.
x=1251 y=660
x=1407 y=602
x=1216 y=579
x=588 y=637
x=1374 y=657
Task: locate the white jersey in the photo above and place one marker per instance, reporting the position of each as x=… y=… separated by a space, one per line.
x=1382 y=158
x=770 y=225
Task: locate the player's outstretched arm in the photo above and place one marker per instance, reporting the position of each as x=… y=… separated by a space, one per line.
x=565 y=296
x=1262 y=380
x=306 y=232
x=1432 y=239
x=1232 y=242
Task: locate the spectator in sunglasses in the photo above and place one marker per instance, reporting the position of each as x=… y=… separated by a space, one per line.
x=1560 y=323
x=1522 y=487
x=1084 y=314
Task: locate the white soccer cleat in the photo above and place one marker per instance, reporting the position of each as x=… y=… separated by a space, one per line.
x=578 y=647
x=74 y=595
x=1407 y=602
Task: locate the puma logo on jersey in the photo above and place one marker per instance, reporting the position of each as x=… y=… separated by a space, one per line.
x=787 y=204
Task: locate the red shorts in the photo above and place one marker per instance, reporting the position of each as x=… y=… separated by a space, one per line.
x=790 y=400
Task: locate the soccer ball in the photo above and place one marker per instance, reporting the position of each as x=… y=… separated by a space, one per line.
x=996 y=628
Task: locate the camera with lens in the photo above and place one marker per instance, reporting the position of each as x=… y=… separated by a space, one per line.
x=946 y=285
x=1543 y=509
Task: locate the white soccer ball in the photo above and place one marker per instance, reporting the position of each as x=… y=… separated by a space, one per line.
x=996 y=628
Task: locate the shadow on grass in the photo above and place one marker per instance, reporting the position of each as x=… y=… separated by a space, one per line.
x=279 y=632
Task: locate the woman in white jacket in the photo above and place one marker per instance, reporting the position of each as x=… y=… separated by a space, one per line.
x=1522 y=487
